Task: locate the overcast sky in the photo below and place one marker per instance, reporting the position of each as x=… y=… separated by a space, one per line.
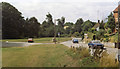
x=70 y=9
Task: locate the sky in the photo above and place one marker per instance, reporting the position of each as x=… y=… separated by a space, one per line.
x=70 y=9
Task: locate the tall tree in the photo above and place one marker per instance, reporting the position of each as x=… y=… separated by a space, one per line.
x=87 y=25
x=78 y=25
x=12 y=22
x=48 y=26
x=33 y=27
x=60 y=27
x=102 y=25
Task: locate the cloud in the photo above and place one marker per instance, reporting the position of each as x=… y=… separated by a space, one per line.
x=70 y=9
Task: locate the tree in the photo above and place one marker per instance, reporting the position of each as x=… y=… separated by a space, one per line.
x=110 y=23
x=100 y=34
x=69 y=29
x=33 y=28
x=102 y=25
x=76 y=34
x=60 y=27
x=48 y=26
x=12 y=22
x=87 y=25
x=78 y=25
x=49 y=19
x=70 y=24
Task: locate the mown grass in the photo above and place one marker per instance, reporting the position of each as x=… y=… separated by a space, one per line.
x=35 y=56
x=40 y=40
x=52 y=55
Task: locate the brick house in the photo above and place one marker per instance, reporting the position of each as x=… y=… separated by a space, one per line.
x=116 y=17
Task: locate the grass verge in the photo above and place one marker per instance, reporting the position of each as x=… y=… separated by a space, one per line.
x=52 y=55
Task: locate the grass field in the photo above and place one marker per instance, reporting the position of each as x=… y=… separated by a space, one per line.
x=39 y=40
x=53 y=55
x=36 y=56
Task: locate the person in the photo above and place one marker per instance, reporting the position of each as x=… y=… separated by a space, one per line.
x=82 y=35
x=116 y=57
x=93 y=37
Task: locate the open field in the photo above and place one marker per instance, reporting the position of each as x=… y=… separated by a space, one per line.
x=39 y=40
x=53 y=55
x=35 y=56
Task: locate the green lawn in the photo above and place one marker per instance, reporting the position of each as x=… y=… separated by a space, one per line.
x=39 y=40
x=36 y=56
x=52 y=55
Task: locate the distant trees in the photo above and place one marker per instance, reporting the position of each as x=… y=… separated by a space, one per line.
x=15 y=26
x=87 y=25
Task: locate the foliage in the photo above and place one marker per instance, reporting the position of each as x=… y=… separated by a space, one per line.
x=81 y=54
x=76 y=34
x=12 y=22
x=78 y=25
x=87 y=25
x=100 y=34
x=69 y=24
x=32 y=28
x=109 y=31
x=102 y=25
x=60 y=27
x=110 y=23
x=106 y=39
x=48 y=26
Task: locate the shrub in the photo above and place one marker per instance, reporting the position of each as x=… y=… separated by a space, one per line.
x=100 y=34
x=109 y=31
x=106 y=39
x=76 y=34
x=79 y=52
x=108 y=61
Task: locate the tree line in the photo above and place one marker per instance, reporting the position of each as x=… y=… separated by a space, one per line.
x=14 y=25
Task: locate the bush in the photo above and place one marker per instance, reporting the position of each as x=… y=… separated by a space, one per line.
x=65 y=35
x=109 y=31
x=93 y=30
x=100 y=34
x=108 y=61
x=105 y=36
x=106 y=39
x=76 y=34
x=79 y=52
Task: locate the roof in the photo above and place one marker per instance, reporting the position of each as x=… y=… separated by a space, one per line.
x=116 y=10
x=96 y=25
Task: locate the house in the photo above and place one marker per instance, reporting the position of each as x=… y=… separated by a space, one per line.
x=97 y=26
x=66 y=27
x=116 y=17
